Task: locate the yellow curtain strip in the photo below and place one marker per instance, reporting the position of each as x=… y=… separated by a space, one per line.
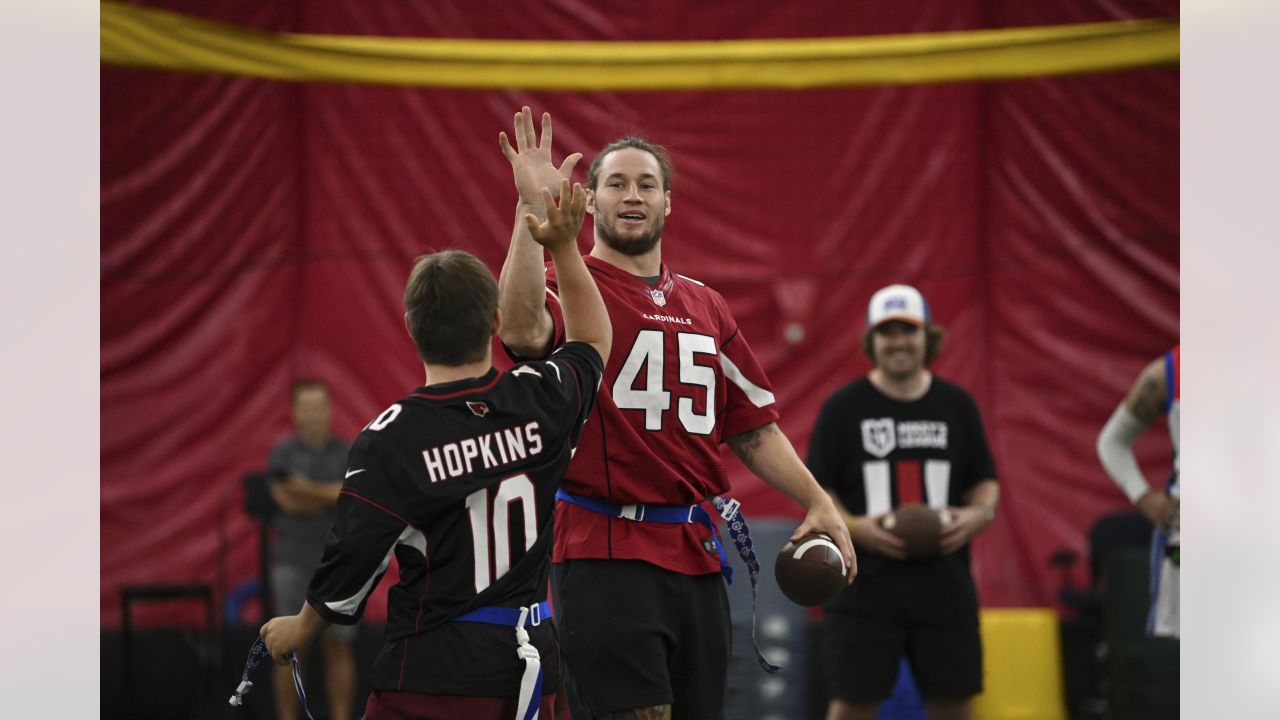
x=144 y=37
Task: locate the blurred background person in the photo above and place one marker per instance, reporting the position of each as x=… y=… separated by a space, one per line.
x=897 y=436
x=307 y=471
x=1154 y=393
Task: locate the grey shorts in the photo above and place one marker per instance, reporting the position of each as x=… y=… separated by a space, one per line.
x=289 y=592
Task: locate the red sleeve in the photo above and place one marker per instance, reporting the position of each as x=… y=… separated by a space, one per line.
x=749 y=396
x=557 y=314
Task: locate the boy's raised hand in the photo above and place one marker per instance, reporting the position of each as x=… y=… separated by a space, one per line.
x=563 y=221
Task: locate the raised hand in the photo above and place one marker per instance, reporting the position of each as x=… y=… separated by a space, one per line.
x=563 y=222
x=531 y=160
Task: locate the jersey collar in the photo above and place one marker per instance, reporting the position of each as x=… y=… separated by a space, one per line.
x=666 y=278
x=445 y=391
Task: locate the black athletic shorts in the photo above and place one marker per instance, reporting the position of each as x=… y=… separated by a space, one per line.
x=634 y=635
x=931 y=620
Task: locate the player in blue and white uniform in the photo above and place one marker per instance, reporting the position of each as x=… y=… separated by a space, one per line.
x=1156 y=391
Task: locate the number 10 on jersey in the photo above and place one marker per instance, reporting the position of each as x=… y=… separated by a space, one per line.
x=517 y=488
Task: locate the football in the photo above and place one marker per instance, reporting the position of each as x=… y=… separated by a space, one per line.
x=919 y=526
x=811 y=570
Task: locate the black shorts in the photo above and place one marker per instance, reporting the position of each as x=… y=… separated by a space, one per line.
x=936 y=630
x=402 y=705
x=634 y=635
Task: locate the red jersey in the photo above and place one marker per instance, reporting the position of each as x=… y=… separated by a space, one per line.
x=680 y=379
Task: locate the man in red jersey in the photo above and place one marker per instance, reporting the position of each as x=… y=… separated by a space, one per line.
x=643 y=613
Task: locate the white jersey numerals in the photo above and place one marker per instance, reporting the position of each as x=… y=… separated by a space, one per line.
x=694 y=374
x=385 y=419
x=877 y=483
x=649 y=352
x=517 y=488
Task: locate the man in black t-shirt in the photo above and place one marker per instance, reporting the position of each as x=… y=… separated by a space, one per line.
x=899 y=436
x=458 y=481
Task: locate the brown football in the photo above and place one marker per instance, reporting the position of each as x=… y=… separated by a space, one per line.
x=919 y=526
x=811 y=570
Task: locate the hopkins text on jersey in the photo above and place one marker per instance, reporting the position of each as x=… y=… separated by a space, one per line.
x=493 y=450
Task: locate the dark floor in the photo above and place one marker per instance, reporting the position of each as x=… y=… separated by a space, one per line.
x=184 y=675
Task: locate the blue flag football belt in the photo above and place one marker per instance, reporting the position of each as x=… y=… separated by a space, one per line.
x=518 y=618
x=728 y=509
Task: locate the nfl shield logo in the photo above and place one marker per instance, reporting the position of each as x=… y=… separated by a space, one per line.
x=658 y=298
x=479 y=409
x=878 y=438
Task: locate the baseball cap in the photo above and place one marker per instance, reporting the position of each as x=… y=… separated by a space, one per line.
x=898 y=302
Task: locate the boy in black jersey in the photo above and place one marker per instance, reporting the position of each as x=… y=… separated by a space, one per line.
x=458 y=480
x=901 y=435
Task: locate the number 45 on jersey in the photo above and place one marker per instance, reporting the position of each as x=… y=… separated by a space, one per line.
x=649 y=352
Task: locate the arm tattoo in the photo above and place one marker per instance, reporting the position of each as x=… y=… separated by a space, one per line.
x=744 y=445
x=1146 y=400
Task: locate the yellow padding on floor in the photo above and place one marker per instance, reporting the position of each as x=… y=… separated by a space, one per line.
x=1022 y=666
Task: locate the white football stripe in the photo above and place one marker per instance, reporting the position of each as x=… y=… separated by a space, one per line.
x=821 y=541
x=756 y=394
x=411 y=537
x=414 y=538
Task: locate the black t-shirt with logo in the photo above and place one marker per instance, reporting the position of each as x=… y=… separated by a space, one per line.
x=877 y=453
x=458 y=482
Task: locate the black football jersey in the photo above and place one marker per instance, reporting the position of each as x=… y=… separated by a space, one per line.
x=458 y=481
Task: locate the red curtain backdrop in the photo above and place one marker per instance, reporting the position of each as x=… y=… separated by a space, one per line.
x=255 y=232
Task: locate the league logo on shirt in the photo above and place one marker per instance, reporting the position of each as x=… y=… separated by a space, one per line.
x=878 y=437
x=659 y=298
x=478 y=409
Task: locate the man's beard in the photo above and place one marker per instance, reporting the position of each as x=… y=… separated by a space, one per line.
x=634 y=247
x=900 y=375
